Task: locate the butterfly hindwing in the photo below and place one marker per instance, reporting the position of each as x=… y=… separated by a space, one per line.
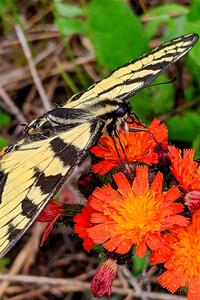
x=34 y=172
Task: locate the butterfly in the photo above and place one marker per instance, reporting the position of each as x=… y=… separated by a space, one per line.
x=54 y=145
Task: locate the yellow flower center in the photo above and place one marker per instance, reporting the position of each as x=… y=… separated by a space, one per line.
x=187 y=252
x=137 y=215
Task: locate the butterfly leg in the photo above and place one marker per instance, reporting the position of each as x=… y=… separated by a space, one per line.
x=113 y=132
x=142 y=130
x=134 y=119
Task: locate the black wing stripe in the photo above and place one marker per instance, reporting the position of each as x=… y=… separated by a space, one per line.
x=8 y=203
x=56 y=152
x=58 y=146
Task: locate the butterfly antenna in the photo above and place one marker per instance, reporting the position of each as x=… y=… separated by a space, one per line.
x=165 y=82
x=137 y=121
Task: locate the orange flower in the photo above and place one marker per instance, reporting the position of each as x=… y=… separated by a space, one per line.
x=138 y=146
x=103 y=279
x=133 y=214
x=185 y=169
x=82 y=223
x=183 y=260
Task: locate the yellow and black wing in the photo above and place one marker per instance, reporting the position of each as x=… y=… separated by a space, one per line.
x=33 y=172
x=136 y=75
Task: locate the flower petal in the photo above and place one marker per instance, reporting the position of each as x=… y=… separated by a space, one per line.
x=194 y=289
x=121 y=181
x=141 y=183
x=157 y=183
x=172 y=280
x=141 y=249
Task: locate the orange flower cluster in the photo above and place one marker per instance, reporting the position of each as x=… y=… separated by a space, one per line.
x=151 y=205
x=137 y=147
x=182 y=260
x=146 y=212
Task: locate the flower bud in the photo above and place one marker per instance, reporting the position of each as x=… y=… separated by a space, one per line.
x=102 y=281
x=192 y=200
x=50 y=214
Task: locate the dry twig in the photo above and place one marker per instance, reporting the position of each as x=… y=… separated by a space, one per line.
x=11 y=107
x=20 y=77
x=30 y=38
x=16 y=267
x=30 y=294
x=35 y=241
x=179 y=109
x=70 y=285
x=133 y=282
x=36 y=79
x=20 y=260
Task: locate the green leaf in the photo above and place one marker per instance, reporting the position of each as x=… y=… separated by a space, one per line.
x=3 y=142
x=151 y=28
x=116 y=33
x=192 y=26
x=196 y=146
x=162 y=96
x=4 y=4
x=154 y=100
x=141 y=105
x=4 y=119
x=68 y=26
x=66 y=10
x=194 y=11
x=184 y=128
x=195 y=52
x=175 y=28
x=194 y=70
x=168 y=9
x=4 y=262
x=163 y=15
x=189 y=93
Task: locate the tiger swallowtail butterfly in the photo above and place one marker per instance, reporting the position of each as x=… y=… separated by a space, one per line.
x=34 y=169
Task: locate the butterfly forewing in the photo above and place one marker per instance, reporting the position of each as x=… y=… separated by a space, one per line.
x=134 y=76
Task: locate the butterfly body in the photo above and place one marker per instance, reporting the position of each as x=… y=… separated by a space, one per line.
x=34 y=169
